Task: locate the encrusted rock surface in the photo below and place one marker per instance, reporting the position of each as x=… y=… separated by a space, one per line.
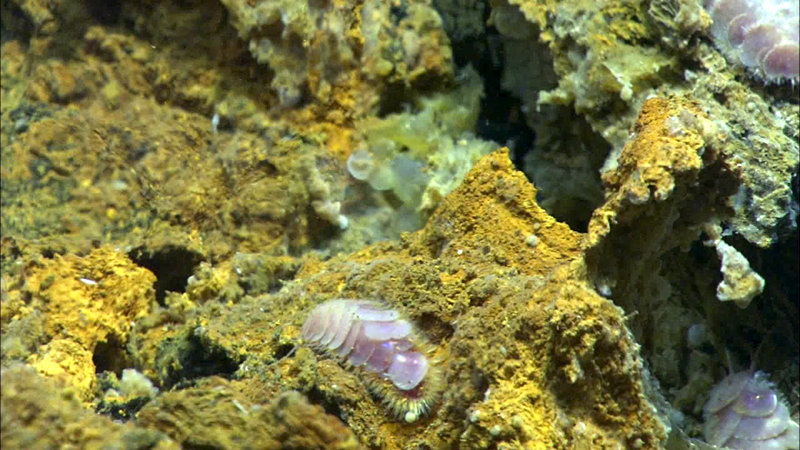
x=176 y=199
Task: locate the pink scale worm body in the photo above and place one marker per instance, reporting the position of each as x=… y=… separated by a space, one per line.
x=393 y=358
x=746 y=412
x=763 y=35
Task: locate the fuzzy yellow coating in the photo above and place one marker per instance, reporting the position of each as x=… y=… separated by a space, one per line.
x=84 y=301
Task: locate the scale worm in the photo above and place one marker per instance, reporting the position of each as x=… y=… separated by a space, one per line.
x=385 y=347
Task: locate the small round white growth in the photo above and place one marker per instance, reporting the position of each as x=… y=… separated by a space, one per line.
x=343 y=222
x=360 y=164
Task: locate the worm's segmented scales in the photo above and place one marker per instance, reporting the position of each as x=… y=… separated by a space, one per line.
x=745 y=412
x=366 y=335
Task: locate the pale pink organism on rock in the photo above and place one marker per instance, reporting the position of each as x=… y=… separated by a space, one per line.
x=364 y=334
x=746 y=412
x=763 y=35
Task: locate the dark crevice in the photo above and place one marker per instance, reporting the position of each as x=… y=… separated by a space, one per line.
x=121 y=411
x=106 y=12
x=110 y=355
x=284 y=350
x=172 y=266
x=317 y=397
x=438 y=330
x=193 y=446
x=503 y=119
x=192 y=356
x=14 y=24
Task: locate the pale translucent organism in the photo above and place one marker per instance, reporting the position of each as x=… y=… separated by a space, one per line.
x=746 y=412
